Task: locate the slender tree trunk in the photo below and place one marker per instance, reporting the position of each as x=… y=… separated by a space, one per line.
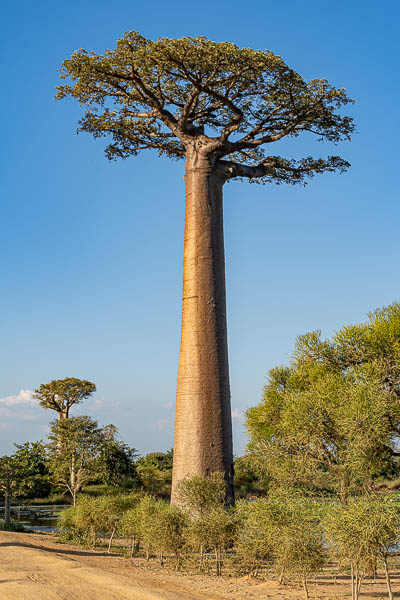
x=201 y=558
x=111 y=539
x=203 y=426
x=218 y=561
x=387 y=576
x=7 y=502
x=73 y=485
x=352 y=582
x=305 y=587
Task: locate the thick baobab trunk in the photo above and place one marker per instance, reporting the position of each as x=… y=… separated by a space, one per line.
x=203 y=426
x=62 y=415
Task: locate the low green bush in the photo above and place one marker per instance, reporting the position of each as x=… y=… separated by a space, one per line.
x=13 y=526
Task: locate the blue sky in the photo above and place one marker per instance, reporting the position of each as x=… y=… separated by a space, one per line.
x=91 y=251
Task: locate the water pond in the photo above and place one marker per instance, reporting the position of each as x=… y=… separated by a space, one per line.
x=39 y=517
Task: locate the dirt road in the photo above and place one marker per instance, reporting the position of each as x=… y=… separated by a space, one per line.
x=36 y=567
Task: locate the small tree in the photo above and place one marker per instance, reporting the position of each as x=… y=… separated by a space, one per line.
x=215 y=531
x=254 y=542
x=61 y=394
x=79 y=523
x=130 y=528
x=361 y=532
x=74 y=449
x=110 y=511
x=33 y=461
x=167 y=529
x=298 y=545
x=12 y=482
x=282 y=529
x=147 y=510
x=116 y=463
x=198 y=495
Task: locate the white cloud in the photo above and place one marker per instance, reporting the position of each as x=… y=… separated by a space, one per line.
x=23 y=397
x=160 y=425
x=97 y=405
x=237 y=414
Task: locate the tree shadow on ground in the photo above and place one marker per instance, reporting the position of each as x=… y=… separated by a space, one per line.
x=56 y=550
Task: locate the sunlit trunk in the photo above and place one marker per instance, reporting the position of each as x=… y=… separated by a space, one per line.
x=203 y=427
x=7 y=502
x=62 y=415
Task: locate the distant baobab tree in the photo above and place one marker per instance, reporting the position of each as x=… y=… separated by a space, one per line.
x=61 y=394
x=219 y=108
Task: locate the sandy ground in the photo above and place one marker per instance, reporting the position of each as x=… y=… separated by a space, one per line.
x=37 y=567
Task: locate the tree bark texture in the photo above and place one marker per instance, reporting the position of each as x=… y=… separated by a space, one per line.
x=203 y=426
x=62 y=415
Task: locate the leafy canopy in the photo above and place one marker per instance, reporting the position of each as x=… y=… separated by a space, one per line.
x=191 y=94
x=74 y=449
x=61 y=394
x=332 y=418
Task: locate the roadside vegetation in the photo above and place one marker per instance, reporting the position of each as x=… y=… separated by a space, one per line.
x=315 y=491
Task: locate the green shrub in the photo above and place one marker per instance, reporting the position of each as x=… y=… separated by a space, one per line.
x=361 y=532
x=13 y=526
x=198 y=495
x=214 y=531
x=254 y=542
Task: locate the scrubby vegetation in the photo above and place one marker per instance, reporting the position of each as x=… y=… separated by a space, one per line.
x=316 y=488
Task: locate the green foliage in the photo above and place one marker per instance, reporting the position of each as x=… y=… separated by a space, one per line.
x=67 y=526
x=130 y=527
x=164 y=531
x=298 y=543
x=93 y=517
x=198 y=495
x=282 y=530
x=155 y=472
x=172 y=94
x=256 y=533
x=361 y=532
x=215 y=530
x=33 y=462
x=147 y=511
x=161 y=460
x=13 y=526
x=61 y=394
x=116 y=464
x=362 y=529
x=248 y=479
x=74 y=449
x=330 y=420
x=12 y=477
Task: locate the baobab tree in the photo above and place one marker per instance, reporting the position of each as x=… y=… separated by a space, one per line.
x=219 y=108
x=61 y=394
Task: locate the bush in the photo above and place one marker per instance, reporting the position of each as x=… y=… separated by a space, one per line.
x=93 y=517
x=13 y=526
x=254 y=543
x=362 y=532
x=214 y=531
x=129 y=528
x=198 y=495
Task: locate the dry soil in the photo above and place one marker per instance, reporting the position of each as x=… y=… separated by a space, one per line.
x=37 y=567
